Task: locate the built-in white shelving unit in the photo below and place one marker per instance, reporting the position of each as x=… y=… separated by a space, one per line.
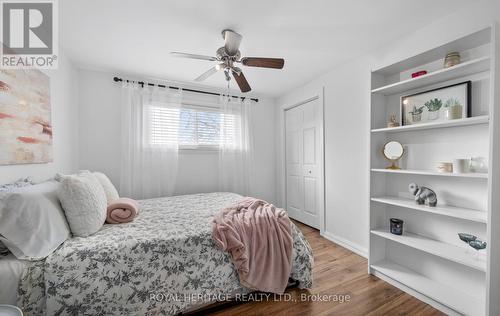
x=428 y=260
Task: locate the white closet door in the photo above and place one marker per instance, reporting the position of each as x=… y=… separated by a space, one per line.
x=302 y=127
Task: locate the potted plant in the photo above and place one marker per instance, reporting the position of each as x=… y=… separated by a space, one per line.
x=416 y=114
x=453 y=109
x=433 y=107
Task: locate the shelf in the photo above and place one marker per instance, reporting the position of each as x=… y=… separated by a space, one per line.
x=433 y=173
x=477 y=120
x=449 y=296
x=443 y=210
x=464 y=69
x=436 y=248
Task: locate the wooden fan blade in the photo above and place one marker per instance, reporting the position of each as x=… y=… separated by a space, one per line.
x=276 y=63
x=192 y=56
x=232 y=42
x=242 y=82
x=207 y=73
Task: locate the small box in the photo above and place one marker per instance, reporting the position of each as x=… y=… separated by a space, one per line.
x=419 y=73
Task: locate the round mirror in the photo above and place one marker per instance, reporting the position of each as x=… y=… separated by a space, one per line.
x=393 y=151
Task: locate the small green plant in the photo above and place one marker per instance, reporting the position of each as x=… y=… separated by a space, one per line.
x=433 y=105
x=417 y=110
x=452 y=102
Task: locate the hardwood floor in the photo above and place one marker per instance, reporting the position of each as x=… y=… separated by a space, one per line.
x=338 y=271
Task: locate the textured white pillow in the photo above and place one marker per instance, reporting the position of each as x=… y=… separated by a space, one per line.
x=84 y=203
x=32 y=222
x=107 y=185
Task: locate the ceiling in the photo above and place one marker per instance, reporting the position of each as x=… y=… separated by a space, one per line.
x=135 y=37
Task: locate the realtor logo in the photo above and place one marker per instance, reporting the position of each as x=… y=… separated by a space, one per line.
x=29 y=34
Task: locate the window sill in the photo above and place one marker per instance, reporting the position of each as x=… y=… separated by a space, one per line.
x=198 y=149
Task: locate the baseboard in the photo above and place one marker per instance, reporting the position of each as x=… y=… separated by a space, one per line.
x=357 y=249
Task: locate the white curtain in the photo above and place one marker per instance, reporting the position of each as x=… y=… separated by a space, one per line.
x=236 y=146
x=148 y=168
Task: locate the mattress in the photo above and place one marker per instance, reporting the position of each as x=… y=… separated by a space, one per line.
x=11 y=270
x=163 y=263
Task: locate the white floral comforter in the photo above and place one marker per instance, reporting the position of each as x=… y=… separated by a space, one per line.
x=162 y=263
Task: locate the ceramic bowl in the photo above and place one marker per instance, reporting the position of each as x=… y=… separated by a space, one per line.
x=477 y=244
x=466 y=237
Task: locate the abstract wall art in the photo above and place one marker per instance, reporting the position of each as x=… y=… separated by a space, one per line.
x=25 y=117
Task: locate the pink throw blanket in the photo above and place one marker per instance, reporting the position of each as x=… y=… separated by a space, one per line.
x=259 y=238
x=123 y=210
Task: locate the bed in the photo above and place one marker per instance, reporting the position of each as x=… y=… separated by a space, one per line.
x=11 y=270
x=163 y=263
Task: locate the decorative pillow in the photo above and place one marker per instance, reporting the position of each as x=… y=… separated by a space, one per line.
x=107 y=185
x=84 y=203
x=32 y=222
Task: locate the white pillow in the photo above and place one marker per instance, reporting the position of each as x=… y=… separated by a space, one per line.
x=107 y=185
x=32 y=222
x=84 y=203
x=9 y=187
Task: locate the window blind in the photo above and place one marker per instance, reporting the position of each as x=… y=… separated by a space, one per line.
x=189 y=126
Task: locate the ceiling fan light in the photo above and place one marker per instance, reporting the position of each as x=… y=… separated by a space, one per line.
x=226 y=58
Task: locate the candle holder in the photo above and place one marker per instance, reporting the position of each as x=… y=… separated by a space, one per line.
x=396 y=226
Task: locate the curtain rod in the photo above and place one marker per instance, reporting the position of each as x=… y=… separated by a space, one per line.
x=142 y=83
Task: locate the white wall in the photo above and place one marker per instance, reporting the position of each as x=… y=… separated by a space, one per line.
x=346 y=150
x=64 y=100
x=347 y=99
x=99 y=141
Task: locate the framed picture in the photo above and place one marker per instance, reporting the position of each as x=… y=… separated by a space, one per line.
x=25 y=117
x=445 y=103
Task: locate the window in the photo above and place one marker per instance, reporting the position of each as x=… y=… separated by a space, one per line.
x=189 y=127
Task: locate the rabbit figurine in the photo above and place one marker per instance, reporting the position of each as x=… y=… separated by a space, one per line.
x=423 y=194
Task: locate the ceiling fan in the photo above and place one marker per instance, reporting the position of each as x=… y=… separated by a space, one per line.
x=228 y=55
